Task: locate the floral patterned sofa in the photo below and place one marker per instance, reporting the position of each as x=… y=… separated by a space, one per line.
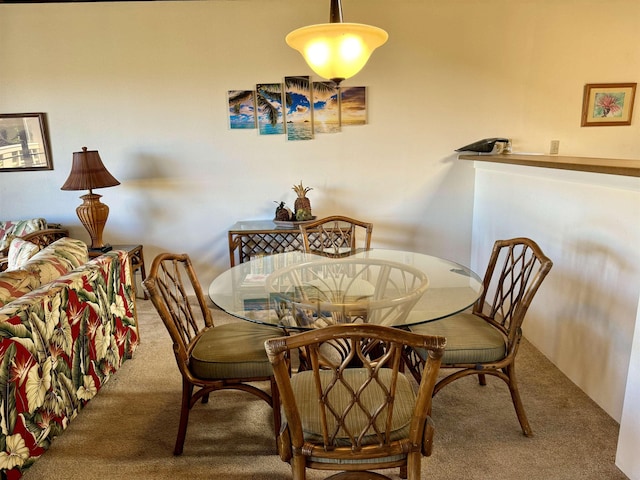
x=66 y=325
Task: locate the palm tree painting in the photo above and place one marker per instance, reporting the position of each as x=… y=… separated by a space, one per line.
x=326 y=107
x=242 y=109
x=298 y=108
x=353 y=105
x=270 y=109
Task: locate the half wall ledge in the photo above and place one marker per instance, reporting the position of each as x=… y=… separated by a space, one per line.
x=612 y=166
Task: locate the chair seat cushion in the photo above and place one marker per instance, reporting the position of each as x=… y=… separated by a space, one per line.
x=470 y=339
x=233 y=350
x=340 y=397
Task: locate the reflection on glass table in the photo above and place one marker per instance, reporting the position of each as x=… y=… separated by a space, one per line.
x=300 y=291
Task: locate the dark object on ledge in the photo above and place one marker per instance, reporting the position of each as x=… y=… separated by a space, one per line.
x=103 y=249
x=482 y=146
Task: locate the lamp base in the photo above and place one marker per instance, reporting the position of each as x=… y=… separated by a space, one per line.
x=104 y=249
x=93 y=215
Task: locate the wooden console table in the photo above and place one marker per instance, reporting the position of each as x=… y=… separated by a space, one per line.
x=256 y=237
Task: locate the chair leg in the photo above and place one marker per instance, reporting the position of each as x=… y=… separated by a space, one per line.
x=517 y=402
x=414 y=460
x=275 y=404
x=185 y=408
x=298 y=468
x=482 y=379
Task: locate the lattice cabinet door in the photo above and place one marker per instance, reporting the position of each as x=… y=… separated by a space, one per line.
x=260 y=237
x=267 y=243
x=257 y=237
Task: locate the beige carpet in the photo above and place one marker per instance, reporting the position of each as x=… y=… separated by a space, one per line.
x=128 y=430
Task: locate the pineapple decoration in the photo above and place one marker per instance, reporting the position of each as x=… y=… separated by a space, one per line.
x=283 y=213
x=302 y=206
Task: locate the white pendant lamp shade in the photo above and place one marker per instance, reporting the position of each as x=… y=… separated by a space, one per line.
x=336 y=50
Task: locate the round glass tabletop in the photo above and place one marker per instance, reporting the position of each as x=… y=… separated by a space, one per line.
x=300 y=291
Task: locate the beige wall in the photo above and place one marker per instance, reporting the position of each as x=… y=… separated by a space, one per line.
x=145 y=84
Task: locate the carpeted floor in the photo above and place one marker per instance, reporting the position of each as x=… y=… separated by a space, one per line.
x=128 y=430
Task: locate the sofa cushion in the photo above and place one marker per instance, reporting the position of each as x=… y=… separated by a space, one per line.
x=11 y=229
x=58 y=258
x=20 y=251
x=16 y=283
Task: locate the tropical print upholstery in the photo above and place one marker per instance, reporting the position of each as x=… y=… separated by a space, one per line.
x=16 y=283
x=56 y=259
x=11 y=229
x=60 y=344
x=20 y=251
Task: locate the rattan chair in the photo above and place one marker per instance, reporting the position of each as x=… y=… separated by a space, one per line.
x=209 y=357
x=335 y=236
x=354 y=410
x=485 y=341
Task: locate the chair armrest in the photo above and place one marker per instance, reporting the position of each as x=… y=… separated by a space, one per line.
x=42 y=238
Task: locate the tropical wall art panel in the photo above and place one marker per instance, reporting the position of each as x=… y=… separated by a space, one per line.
x=270 y=109
x=353 y=105
x=326 y=107
x=298 y=111
x=298 y=108
x=242 y=109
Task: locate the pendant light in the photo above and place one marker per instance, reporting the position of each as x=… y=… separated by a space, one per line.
x=336 y=50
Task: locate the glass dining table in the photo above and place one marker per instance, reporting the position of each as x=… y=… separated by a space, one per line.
x=300 y=291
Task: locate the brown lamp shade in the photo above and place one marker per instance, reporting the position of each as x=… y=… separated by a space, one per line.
x=88 y=172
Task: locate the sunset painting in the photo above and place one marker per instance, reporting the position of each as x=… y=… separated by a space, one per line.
x=326 y=108
x=353 y=105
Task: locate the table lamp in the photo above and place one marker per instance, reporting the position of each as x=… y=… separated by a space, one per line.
x=88 y=172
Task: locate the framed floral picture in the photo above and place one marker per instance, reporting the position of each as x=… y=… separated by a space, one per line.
x=24 y=142
x=607 y=104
